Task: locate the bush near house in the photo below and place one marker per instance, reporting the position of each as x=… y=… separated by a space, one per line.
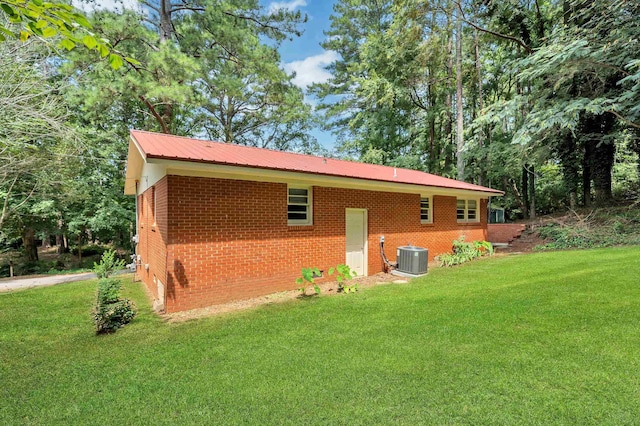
x=108 y=265
x=343 y=273
x=110 y=312
x=465 y=251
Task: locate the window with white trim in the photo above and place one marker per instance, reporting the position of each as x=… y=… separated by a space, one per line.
x=467 y=210
x=299 y=202
x=426 y=211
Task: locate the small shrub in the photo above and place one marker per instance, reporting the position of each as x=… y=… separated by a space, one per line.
x=308 y=276
x=450 y=259
x=484 y=247
x=108 y=264
x=108 y=290
x=343 y=273
x=109 y=318
x=464 y=252
x=111 y=312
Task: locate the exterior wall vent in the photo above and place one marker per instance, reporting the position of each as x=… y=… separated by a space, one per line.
x=413 y=260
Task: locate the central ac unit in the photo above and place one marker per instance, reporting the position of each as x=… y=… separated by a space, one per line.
x=413 y=260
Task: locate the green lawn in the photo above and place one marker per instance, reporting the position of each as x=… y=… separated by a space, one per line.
x=547 y=338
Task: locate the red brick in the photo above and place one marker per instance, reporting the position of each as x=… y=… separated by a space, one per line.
x=217 y=240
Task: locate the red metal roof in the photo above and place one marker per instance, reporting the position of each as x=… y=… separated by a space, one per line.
x=162 y=146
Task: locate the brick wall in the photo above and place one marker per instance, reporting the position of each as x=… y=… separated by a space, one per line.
x=229 y=240
x=504 y=232
x=153 y=233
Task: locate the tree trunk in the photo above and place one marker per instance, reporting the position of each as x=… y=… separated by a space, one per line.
x=59 y=244
x=532 y=192
x=603 y=164
x=80 y=249
x=509 y=183
x=481 y=160
x=61 y=240
x=166 y=26
x=431 y=162
x=635 y=146
x=587 y=160
x=459 y=112
x=598 y=129
x=167 y=33
x=432 y=145
x=29 y=243
x=567 y=153
x=448 y=101
x=525 y=191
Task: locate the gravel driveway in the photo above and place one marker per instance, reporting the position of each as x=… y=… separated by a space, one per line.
x=31 y=282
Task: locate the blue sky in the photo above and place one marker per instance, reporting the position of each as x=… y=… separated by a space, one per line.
x=304 y=55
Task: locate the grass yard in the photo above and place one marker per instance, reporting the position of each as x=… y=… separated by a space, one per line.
x=547 y=338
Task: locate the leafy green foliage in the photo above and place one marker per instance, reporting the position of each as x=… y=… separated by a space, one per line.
x=47 y=19
x=549 y=89
x=108 y=290
x=342 y=272
x=216 y=72
x=308 y=277
x=368 y=101
x=108 y=264
x=465 y=251
x=35 y=142
x=111 y=312
x=600 y=228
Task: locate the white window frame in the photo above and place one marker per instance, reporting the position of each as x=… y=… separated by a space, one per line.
x=429 y=209
x=309 y=204
x=466 y=210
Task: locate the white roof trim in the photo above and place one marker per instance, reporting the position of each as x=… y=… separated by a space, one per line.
x=189 y=168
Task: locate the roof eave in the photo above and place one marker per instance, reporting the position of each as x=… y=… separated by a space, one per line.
x=135 y=161
x=244 y=172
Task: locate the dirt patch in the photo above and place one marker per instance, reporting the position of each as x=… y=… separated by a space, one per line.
x=327 y=289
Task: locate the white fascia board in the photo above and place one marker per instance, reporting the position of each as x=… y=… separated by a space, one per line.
x=188 y=168
x=141 y=174
x=135 y=163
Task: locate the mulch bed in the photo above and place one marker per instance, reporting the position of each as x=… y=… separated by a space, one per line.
x=327 y=289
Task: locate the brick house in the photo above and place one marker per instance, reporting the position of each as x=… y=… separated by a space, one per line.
x=219 y=222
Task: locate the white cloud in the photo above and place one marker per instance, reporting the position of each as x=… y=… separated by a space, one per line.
x=311 y=69
x=288 y=5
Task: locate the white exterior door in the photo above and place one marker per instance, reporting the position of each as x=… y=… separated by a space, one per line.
x=356 y=230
